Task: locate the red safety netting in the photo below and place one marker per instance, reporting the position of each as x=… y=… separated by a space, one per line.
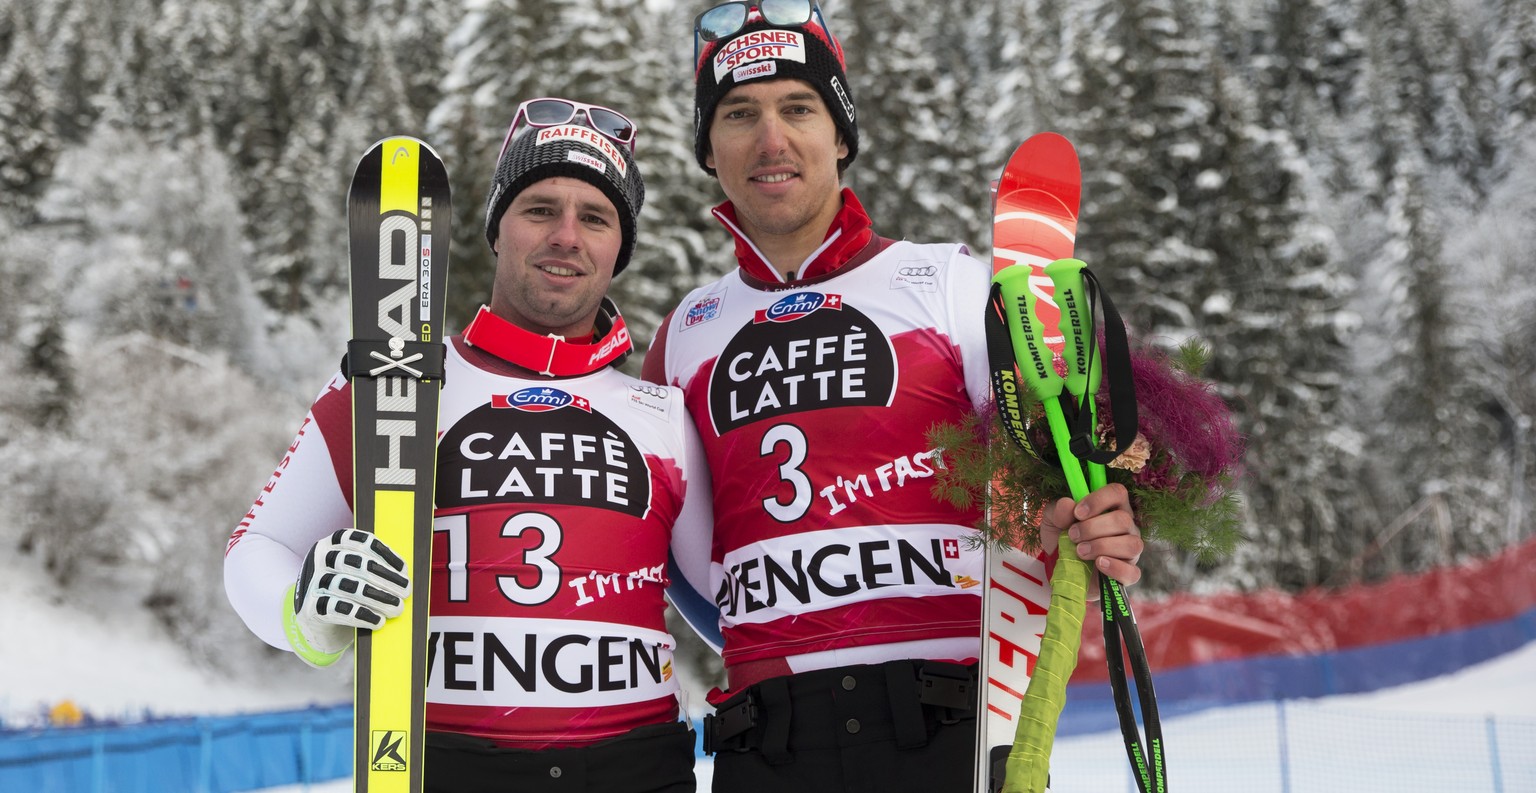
x=1183 y=630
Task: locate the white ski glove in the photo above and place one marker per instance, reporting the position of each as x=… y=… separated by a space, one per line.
x=350 y=580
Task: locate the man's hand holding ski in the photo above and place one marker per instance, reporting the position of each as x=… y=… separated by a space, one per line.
x=350 y=580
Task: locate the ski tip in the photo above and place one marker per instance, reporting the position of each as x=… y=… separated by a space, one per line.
x=1045 y=142
x=1044 y=166
x=409 y=140
x=394 y=143
x=1050 y=147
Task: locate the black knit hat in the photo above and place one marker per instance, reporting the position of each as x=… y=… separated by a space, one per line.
x=762 y=51
x=578 y=152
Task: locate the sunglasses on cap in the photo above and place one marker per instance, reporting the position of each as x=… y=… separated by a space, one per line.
x=726 y=19
x=553 y=112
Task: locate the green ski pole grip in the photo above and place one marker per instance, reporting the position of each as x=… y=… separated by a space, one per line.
x=1034 y=358
x=1083 y=372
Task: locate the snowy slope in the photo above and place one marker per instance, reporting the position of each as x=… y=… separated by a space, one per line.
x=114 y=661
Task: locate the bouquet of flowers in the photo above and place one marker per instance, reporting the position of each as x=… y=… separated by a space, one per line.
x=1181 y=470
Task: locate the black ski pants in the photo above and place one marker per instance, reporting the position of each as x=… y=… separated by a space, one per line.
x=898 y=727
x=654 y=759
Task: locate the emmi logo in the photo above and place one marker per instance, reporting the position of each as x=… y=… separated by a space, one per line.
x=387 y=752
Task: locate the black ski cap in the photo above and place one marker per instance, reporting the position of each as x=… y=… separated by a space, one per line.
x=575 y=151
x=762 y=51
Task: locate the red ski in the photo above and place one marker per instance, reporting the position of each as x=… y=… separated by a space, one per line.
x=1034 y=224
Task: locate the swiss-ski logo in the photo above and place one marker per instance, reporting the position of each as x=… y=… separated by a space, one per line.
x=540 y=399
x=796 y=306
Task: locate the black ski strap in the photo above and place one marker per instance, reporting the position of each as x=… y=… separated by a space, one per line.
x=395 y=358
x=1116 y=374
x=1007 y=390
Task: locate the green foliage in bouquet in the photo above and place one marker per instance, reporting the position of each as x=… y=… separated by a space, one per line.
x=1181 y=471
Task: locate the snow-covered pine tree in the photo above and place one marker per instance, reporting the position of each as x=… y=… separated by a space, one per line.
x=78 y=61
x=415 y=34
x=41 y=393
x=1492 y=250
x=1198 y=215
x=29 y=142
x=920 y=171
x=1136 y=113
x=1513 y=66
x=300 y=76
x=600 y=51
x=501 y=53
x=1277 y=315
x=1432 y=88
x=1430 y=437
x=1304 y=59
x=1038 y=69
x=680 y=244
x=179 y=78
x=1416 y=378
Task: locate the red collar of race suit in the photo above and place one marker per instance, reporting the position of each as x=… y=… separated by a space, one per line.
x=848 y=236
x=547 y=354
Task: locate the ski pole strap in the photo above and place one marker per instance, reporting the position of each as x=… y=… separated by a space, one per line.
x=1117 y=373
x=394 y=358
x=1007 y=391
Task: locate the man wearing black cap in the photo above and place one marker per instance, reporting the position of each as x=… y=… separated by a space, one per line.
x=844 y=595
x=560 y=481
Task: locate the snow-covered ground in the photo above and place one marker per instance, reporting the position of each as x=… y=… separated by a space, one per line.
x=1474 y=730
x=112 y=660
x=1432 y=735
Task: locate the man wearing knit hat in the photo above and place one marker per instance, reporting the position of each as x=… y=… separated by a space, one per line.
x=560 y=481
x=839 y=589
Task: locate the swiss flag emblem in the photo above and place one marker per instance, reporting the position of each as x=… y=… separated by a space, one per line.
x=951 y=549
x=581 y=403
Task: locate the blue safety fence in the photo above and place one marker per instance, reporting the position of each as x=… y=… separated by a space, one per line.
x=210 y=754
x=1283 y=747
